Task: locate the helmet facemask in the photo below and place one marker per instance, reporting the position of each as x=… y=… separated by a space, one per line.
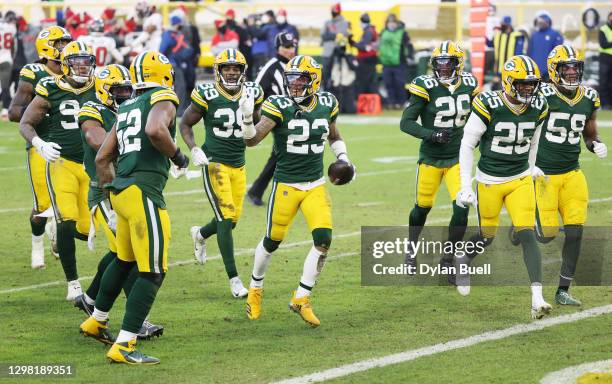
x=446 y=68
x=80 y=67
x=525 y=90
x=232 y=80
x=570 y=74
x=120 y=93
x=298 y=84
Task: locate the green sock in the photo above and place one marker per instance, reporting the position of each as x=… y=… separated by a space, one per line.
x=571 y=250
x=209 y=229
x=110 y=285
x=139 y=303
x=94 y=287
x=131 y=279
x=531 y=254
x=67 y=249
x=226 y=246
x=38 y=225
x=458 y=223
x=416 y=221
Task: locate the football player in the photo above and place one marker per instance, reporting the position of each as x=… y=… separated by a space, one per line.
x=560 y=186
x=104 y=47
x=142 y=141
x=222 y=154
x=60 y=98
x=113 y=87
x=49 y=45
x=507 y=125
x=300 y=124
x=442 y=103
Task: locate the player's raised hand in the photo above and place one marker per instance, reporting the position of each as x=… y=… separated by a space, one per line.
x=50 y=151
x=198 y=157
x=246 y=104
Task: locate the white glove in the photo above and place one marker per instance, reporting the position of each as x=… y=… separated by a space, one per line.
x=246 y=104
x=48 y=150
x=537 y=172
x=600 y=149
x=198 y=157
x=112 y=221
x=177 y=172
x=465 y=197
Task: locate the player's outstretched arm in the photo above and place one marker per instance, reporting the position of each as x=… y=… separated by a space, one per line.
x=107 y=153
x=337 y=145
x=191 y=116
x=94 y=133
x=33 y=115
x=591 y=137
x=20 y=102
x=253 y=134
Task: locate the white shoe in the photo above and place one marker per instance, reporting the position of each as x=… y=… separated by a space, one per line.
x=74 y=290
x=539 y=309
x=51 y=231
x=238 y=289
x=462 y=280
x=38 y=252
x=199 y=246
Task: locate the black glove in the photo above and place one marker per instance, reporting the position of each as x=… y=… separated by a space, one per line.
x=179 y=159
x=441 y=137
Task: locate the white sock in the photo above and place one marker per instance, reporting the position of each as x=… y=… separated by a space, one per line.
x=99 y=315
x=260 y=265
x=125 y=336
x=89 y=300
x=536 y=292
x=36 y=239
x=312 y=268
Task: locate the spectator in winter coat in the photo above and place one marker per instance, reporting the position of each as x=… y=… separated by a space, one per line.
x=343 y=70
x=542 y=41
x=224 y=38
x=367 y=56
x=332 y=28
x=393 y=55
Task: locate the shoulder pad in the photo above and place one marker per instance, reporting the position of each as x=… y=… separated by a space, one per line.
x=46 y=86
x=91 y=110
x=162 y=94
x=421 y=85
x=592 y=95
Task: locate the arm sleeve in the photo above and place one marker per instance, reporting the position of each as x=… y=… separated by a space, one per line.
x=365 y=39
x=409 y=124
x=472 y=132
x=533 y=145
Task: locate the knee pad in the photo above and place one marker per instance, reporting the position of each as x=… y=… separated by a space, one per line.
x=270 y=245
x=155 y=278
x=322 y=237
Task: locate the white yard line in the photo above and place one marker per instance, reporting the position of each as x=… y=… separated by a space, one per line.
x=18 y=167
x=413 y=354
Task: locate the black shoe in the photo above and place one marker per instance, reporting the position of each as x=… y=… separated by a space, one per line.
x=512 y=236
x=81 y=304
x=255 y=200
x=446 y=264
x=148 y=331
x=411 y=261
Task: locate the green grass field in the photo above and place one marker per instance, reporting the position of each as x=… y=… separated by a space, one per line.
x=208 y=338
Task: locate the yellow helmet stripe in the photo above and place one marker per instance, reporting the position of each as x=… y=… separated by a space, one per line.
x=297 y=61
x=82 y=46
x=124 y=72
x=444 y=48
x=570 y=51
x=138 y=67
x=528 y=64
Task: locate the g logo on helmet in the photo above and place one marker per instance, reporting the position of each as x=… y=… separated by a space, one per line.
x=552 y=54
x=509 y=66
x=43 y=34
x=104 y=74
x=163 y=59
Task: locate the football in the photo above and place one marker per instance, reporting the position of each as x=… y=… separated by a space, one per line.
x=340 y=172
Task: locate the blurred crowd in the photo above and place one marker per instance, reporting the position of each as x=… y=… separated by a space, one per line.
x=376 y=63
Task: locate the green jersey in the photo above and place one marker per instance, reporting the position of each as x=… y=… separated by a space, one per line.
x=32 y=74
x=442 y=107
x=139 y=163
x=222 y=117
x=559 y=147
x=504 y=146
x=62 y=117
x=299 y=135
x=106 y=117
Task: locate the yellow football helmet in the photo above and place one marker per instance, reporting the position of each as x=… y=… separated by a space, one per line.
x=49 y=42
x=151 y=69
x=447 y=61
x=561 y=59
x=230 y=56
x=302 y=71
x=113 y=85
x=521 y=78
x=78 y=62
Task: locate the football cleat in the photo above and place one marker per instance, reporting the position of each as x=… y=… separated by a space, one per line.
x=255 y=200
x=199 y=246
x=98 y=330
x=411 y=260
x=462 y=280
x=149 y=330
x=128 y=354
x=74 y=290
x=38 y=253
x=564 y=298
x=51 y=231
x=540 y=309
x=238 y=289
x=81 y=304
x=303 y=308
x=253 y=304
x=512 y=236
x=448 y=264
